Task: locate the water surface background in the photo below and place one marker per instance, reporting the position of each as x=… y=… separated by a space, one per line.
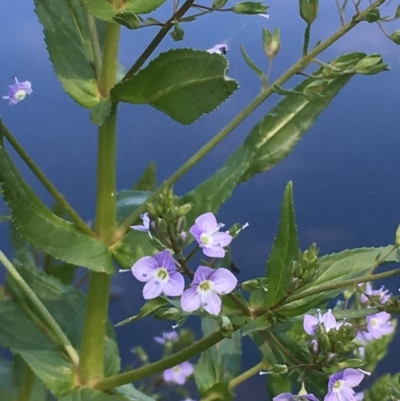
x=345 y=170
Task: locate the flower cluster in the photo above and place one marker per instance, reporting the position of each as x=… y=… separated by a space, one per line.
x=162 y=277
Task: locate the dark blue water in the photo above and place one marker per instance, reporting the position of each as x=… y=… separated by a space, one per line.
x=345 y=171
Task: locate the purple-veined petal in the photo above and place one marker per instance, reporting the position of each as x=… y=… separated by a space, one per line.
x=144 y=268
x=309 y=324
x=190 y=300
x=175 y=285
x=221 y=238
x=201 y=274
x=164 y=259
x=333 y=379
x=211 y=302
x=310 y=397
x=223 y=281
x=152 y=289
x=329 y=320
x=214 y=251
x=352 y=377
x=207 y=222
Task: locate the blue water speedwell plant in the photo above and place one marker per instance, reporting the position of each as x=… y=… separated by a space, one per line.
x=61 y=337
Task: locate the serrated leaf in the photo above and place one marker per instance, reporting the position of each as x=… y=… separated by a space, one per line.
x=89 y=394
x=148 y=180
x=268 y=143
x=104 y=10
x=43 y=229
x=23 y=331
x=182 y=83
x=132 y=394
x=67 y=38
x=284 y=251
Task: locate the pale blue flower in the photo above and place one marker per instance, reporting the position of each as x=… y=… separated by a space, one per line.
x=178 y=374
x=341 y=384
x=145 y=227
x=18 y=91
x=310 y=322
x=211 y=240
x=207 y=287
x=383 y=294
x=379 y=324
x=169 y=336
x=160 y=275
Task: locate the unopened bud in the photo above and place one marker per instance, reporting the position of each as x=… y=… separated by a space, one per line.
x=184 y=209
x=271 y=42
x=395 y=37
x=219 y=3
x=397 y=240
x=308 y=10
x=371 y=65
x=373 y=15
x=249 y=7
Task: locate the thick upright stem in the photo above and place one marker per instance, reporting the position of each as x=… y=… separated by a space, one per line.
x=94 y=331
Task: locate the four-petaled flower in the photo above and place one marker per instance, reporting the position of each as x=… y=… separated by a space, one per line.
x=382 y=293
x=379 y=324
x=169 y=336
x=178 y=374
x=211 y=240
x=207 y=286
x=340 y=386
x=291 y=397
x=160 y=275
x=18 y=91
x=310 y=322
x=145 y=227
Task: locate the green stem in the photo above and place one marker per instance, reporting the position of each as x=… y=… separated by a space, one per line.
x=157 y=39
x=27 y=385
x=246 y=375
x=306 y=40
x=159 y=366
x=94 y=331
x=259 y=99
x=59 y=198
x=244 y=308
x=45 y=314
x=340 y=284
x=94 y=40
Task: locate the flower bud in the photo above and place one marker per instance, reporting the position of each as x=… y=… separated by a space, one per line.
x=395 y=36
x=371 y=65
x=278 y=369
x=184 y=209
x=315 y=90
x=271 y=42
x=397 y=240
x=308 y=10
x=219 y=3
x=249 y=7
x=373 y=15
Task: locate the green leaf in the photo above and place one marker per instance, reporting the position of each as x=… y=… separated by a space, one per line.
x=220 y=363
x=104 y=10
x=132 y=394
x=128 y=201
x=259 y=324
x=277 y=385
x=249 y=7
x=67 y=37
x=127 y=19
x=22 y=251
x=177 y=33
x=335 y=268
x=254 y=67
x=43 y=229
x=147 y=309
x=89 y=394
x=148 y=181
x=268 y=143
x=183 y=83
x=23 y=331
x=284 y=251
x=101 y=113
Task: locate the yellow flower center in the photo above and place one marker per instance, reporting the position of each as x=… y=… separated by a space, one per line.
x=204 y=239
x=20 y=95
x=206 y=285
x=337 y=384
x=162 y=274
x=373 y=322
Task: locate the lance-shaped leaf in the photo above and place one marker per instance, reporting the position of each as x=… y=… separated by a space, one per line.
x=40 y=227
x=183 y=83
x=104 y=10
x=284 y=251
x=67 y=37
x=268 y=143
x=25 y=333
